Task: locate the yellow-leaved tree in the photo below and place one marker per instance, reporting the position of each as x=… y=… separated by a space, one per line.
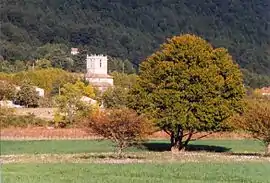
x=256 y=120
x=70 y=103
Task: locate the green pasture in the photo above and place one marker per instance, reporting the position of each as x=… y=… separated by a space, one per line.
x=86 y=146
x=85 y=171
x=138 y=173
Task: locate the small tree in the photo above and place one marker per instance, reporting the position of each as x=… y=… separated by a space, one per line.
x=187 y=87
x=27 y=95
x=256 y=120
x=122 y=126
x=70 y=103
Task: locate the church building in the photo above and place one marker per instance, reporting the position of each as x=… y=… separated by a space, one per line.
x=97 y=72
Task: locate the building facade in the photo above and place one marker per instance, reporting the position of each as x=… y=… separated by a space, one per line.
x=97 y=72
x=74 y=51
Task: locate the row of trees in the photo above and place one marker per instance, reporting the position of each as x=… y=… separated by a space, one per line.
x=51 y=79
x=59 y=56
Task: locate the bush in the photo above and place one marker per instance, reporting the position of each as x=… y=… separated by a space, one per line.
x=256 y=120
x=122 y=126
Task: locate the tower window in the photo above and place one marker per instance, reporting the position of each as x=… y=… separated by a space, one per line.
x=100 y=63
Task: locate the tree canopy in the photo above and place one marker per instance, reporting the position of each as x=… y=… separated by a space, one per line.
x=27 y=95
x=189 y=86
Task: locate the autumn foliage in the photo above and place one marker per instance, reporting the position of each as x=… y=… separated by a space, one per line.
x=122 y=126
x=256 y=120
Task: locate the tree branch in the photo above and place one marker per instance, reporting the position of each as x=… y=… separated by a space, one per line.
x=202 y=136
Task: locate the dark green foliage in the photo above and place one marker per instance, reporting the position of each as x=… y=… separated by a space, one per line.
x=188 y=86
x=254 y=80
x=118 y=65
x=118 y=95
x=132 y=29
x=115 y=97
x=27 y=95
x=124 y=80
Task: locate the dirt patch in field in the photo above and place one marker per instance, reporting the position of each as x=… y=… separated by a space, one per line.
x=165 y=157
x=43 y=113
x=77 y=133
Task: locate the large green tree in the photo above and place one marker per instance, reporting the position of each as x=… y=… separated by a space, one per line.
x=188 y=86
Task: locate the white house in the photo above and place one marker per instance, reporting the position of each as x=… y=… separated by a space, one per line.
x=40 y=91
x=74 y=51
x=97 y=72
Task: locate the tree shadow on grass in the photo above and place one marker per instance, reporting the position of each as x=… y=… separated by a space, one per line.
x=161 y=147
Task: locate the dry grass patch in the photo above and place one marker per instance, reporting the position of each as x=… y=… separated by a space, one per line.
x=136 y=157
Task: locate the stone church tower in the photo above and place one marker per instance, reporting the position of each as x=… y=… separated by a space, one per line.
x=97 y=72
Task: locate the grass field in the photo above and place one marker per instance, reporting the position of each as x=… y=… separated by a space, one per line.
x=82 y=161
x=86 y=146
x=137 y=173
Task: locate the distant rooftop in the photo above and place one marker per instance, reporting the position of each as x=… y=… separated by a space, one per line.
x=265 y=90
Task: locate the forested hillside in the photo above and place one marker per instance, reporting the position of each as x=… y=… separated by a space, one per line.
x=133 y=29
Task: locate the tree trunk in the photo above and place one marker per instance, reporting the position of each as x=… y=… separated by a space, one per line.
x=176 y=139
x=119 y=150
x=267 y=150
x=177 y=143
x=187 y=141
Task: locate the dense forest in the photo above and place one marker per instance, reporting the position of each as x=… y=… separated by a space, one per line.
x=133 y=29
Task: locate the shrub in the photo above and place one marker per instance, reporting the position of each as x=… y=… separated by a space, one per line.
x=122 y=126
x=256 y=120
